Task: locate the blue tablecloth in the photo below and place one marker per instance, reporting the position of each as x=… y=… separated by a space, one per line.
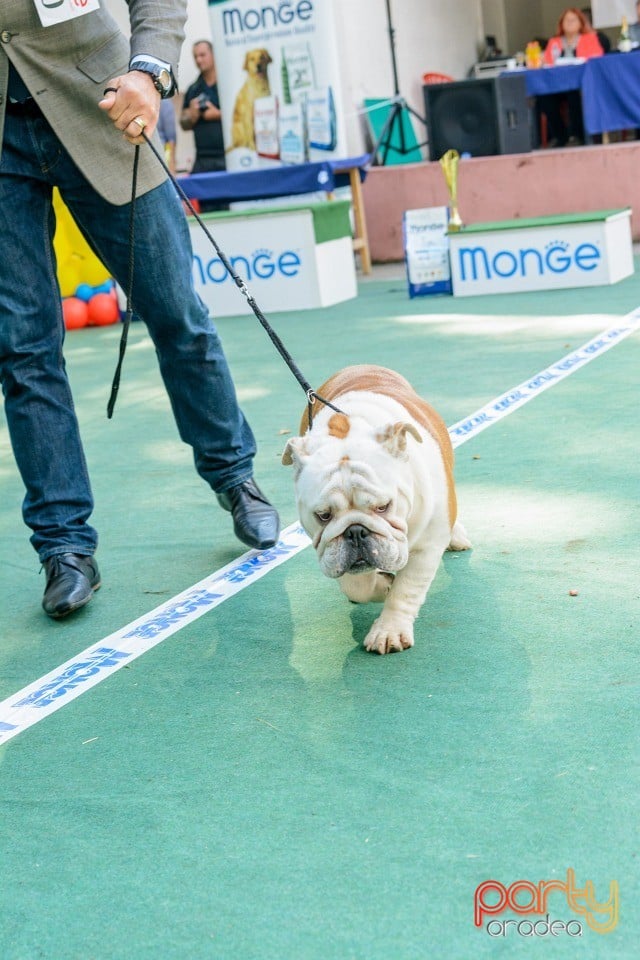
x=611 y=93
x=554 y=79
x=610 y=88
x=341 y=168
x=284 y=181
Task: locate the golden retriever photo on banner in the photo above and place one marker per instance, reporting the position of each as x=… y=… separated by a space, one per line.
x=256 y=85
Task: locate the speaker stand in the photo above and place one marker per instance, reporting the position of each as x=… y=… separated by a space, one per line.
x=396 y=114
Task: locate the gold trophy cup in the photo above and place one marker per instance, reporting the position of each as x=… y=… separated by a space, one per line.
x=449 y=162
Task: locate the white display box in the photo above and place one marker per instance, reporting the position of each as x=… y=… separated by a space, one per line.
x=293 y=258
x=544 y=253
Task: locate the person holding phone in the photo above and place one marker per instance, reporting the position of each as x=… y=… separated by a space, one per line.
x=201 y=112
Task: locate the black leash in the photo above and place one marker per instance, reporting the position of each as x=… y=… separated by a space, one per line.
x=311 y=395
x=115 y=386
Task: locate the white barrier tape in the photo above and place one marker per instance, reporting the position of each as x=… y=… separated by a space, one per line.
x=73 y=678
x=103 y=658
x=499 y=408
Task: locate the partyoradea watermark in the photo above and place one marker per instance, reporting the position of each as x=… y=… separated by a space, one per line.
x=528 y=899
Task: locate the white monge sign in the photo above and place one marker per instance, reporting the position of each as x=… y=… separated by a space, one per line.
x=551 y=255
x=278 y=275
x=278 y=258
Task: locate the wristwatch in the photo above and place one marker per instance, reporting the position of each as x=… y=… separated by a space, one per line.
x=160 y=72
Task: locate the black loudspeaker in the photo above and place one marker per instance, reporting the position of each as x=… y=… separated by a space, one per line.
x=482 y=117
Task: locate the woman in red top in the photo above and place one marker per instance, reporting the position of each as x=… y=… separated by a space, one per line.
x=575 y=38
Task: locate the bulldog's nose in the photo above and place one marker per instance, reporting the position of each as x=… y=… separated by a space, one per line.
x=356 y=533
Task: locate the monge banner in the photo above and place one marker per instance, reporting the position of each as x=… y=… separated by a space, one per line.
x=279 y=81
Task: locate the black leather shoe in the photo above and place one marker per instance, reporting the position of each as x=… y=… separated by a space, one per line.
x=255 y=521
x=71 y=581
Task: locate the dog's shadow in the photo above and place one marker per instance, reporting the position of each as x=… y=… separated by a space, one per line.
x=465 y=640
x=455 y=567
x=362 y=616
x=461 y=635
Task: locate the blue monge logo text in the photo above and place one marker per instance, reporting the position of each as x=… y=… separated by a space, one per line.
x=260 y=265
x=477 y=263
x=172 y=614
x=77 y=673
x=269 y=15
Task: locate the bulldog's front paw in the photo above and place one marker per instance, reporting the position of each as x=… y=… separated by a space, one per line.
x=389 y=636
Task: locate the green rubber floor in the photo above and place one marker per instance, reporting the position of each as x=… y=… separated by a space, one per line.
x=257 y=787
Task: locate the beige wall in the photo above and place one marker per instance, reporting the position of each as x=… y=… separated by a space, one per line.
x=524 y=22
x=495 y=23
x=551 y=11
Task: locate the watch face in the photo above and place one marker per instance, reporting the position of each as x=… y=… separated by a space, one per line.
x=164 y=78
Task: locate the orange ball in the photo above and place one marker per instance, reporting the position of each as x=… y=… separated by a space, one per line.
x=103 y=310
x=75 y=313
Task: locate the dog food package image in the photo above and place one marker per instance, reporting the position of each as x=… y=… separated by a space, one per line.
x=265 y=122
x=321 y=119
x=292 y=128
x=296 y=71
x=426 y=246
x=270 y=58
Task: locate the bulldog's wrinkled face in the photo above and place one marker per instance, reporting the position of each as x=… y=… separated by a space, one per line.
x=354 y=495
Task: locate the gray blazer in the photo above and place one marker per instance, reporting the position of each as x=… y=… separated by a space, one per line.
x=66 y=67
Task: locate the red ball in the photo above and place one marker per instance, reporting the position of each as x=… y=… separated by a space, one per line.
x=75 y=313
x=103 y=310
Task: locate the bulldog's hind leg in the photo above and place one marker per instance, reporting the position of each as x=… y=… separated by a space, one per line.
x=459 y=538
x=366 y=587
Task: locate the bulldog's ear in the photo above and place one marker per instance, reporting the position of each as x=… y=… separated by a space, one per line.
x=295 y=452
x=394 y=437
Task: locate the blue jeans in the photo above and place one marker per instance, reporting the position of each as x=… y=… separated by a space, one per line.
x=39 y=407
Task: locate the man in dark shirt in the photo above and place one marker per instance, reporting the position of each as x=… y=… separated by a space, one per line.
x=201 y=112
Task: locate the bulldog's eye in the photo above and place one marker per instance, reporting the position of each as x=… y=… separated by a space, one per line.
x=384 y=508
x=323 y=516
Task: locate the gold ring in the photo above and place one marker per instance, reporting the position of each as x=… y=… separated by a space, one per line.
x=141 y=123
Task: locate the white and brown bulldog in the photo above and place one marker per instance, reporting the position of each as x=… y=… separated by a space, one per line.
x=375 y=492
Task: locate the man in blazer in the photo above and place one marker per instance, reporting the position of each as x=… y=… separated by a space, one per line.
x=75 y=94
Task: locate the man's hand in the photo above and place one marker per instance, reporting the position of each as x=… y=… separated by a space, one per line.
x=135 y=98
x=211 y=112
x=192 y=113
